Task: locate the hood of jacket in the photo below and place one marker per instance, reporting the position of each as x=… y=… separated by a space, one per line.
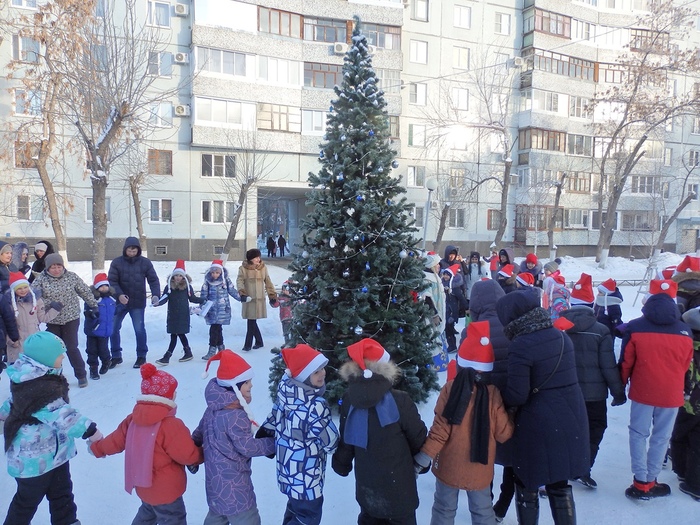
x=583 y=318
x=182 y=285
x=49 y=249
x=516 y=304
x=291 y=392
x=223 y=277
x=131 y=241
x=450 y=249
x=17 y=250
x=149 y=410
x=367 y=392
x=482 y=302
x=97 y=295
x=609 y=299
x=508 y=253
x=25 y=369
x=661 y=309
x=220 y=397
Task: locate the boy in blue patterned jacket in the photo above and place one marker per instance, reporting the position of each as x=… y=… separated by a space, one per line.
x=40 y=429
x=305 y=434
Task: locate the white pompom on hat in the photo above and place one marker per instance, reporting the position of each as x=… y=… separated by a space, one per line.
x=367 y=350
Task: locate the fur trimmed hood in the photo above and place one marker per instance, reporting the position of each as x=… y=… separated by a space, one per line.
x=686 y=276
x=182 y=285
x=351 y=371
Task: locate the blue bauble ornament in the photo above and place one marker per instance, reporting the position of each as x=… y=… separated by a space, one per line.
x=358 y=330
x=343 y=138
x=371 y=133
x=340 y=176
x=318 y=327
x=309 y=268
x=359 y=198
x=394 y=164
x=380 y=169
x=367 y=266
x=365 y=289
x=400 y=330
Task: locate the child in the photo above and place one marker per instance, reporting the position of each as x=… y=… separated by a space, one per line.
x=380 y=431
x=9 y=330
x=493 y=262
x=469 y=419
x=40 y=431
x=555 y=294
x=217 y=308
x=157 y=446
x=453 y=281
x=98 y=328
x=507 y=277
x=607 y=306
x=305 y=432
x=285 y=301
x=178 y=293
x=229 y=445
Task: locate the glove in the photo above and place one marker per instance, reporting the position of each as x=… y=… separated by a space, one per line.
x=193 y=468
x=274 y=303
x=56 y=305
x=619 y=400
x=245 y=298
x=96 y=436
x=421 y=463
x=93 y=313
x=264 y=432
x=154 y=300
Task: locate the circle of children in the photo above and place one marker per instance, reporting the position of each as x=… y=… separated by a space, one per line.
x=528 y=390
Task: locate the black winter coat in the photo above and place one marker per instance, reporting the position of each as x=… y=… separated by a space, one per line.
x=385 y=483
x=8 y=321
x=128 y=276
x=39 y=265
x=178 y=296
x=595 y=358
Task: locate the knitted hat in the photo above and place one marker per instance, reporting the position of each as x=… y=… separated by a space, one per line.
x=252 y=254
x=451 y=370
x=562 y=323
x=17 y=280
x=217 y=264
x=666 y=273
x=431 y=260
x=7 y=247
x=531 y=258
x=689 y=264
x=179 y=268
x=100 y=280
x=525 y=278
x=233 y=369
x=666 y=286
x=507 y=270
x=476 y=350
x=44 y=348
x=551 y=266
x=607 y=287
x=367 y=350
x=302 y=361
x=53 y=258
x=41 y=246
x=582 y=292
x=155 y=382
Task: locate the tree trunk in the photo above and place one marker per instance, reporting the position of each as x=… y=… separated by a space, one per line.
x=242 y=196
x=444 y=214
x=504 y=203
x=99 y=223
x=134 y=183
x=555 y=213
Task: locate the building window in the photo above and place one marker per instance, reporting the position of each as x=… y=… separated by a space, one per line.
x=539 y=100
x=668 y=156
x=88 y=209
x=313 y=122
x=415 y=176
x=394 y=126
x=462 y=16
x=160 y=64
x=26 y=154
x=460 y=99
x=279 y=71
x=419 y=10
x=217 y=211
x=29 y=4
x=218 y=111
x=456 y=218
x=639 y=221
x=161 y=210
x=162 y=115
x=417 y=93
x=574 y=219
x=218 y=165
x=645 y=184
x=578 y=182
x=276 y=117
x=579 y=145
x=646 y=40
x=418 y=215
x=279 y=22
x=460 y=57
x=563 y=65
x=322 y=75
x=30 y=208
x=578 y=107
x=693 y=188
x=493 y=219
x=458 y=177
x=582 y=30
x=693 y=158
x=389 y=80
x=27 y=102
x=534 y=138
x=416 y=135
x=222 y=62
x=325 y=30
x=158 y=14
x=384 y=37
x=612 y=73
x=696 y=125
x=25 y=49
x=502 y=24
x=418 y=52
x=552 y=23
x=160 y=162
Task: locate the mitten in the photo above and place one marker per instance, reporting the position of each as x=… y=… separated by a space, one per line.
x=56 y=305
x=274 y=303
x=96 y=436
x=264 y=432
x=245 y=298
x=421 y=463
x=619 y=400
x=93 y=313
x=193 y=468
x=154 y=300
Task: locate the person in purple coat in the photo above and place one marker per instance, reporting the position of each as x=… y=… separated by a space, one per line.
x=225 y=434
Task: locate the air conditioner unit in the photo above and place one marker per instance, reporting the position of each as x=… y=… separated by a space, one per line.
x=434 y=205
x=372 y=49
x=182 y=110
x=518 y=61
x=181 y=58
x=454 y=192
x=340 y=48
x=182 y=10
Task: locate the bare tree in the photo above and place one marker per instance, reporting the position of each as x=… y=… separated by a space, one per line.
x=556 y=214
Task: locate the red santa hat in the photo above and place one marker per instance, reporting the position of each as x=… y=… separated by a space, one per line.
x=157 y=383
x=562 y=323
x=302 y=361
x=179 y=268
x=667 y=286
x=100 y=280
x=582 y=292
x=689 y=264
x=233 y=370
x=531 y=258
x=525 y=278
x=476 y=350
x=367 y=350
x=18 y=280
x=666 y=273
x=607 y=287
x=506 y=271
x=217 y=263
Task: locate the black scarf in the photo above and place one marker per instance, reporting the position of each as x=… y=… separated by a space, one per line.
x=30 y=397
x=456 y=408
x=533 y=321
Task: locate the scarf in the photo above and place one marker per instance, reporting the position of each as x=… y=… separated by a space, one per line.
x=468 y=382
x=532 y=321
x=139 y=450
x=357 y=423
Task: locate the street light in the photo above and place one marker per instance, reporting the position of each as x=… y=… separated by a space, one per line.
x=431 y=185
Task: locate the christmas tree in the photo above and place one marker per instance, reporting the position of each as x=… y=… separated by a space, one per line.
x=357 y=271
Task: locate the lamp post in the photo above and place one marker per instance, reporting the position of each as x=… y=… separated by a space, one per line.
x=431 y=185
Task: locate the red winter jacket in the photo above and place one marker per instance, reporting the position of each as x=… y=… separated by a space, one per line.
x=656 y=353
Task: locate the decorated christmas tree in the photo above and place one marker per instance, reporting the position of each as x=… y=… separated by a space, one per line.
x=357 y=272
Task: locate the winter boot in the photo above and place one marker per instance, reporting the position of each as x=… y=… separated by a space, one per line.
x=163 y=361
x=220 y=348
x=106 y=365
x=690 y=491
x=587 y=481
x=561 y=501
x=187 y=355
x=659 y=490
x=93 y=373
x=639 y=490
x=527 y=506
x=210 y=353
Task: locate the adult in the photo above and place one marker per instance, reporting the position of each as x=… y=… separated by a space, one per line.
x=271 y=246
x=475 y=270
x=550 y=443
x=128 y=275
x=20 y=252
x=434 y=295
x=281 y=244
x=254 y=281
x=41 y=250
x=6 y=266
x=56 y=284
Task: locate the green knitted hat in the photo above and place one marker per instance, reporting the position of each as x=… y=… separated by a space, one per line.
x=44 y=348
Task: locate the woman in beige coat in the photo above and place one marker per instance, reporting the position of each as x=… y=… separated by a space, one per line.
x=254 y=281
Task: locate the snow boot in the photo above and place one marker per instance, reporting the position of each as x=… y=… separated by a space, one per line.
x=561 y=501
x=187 y=356
x=659 y=490
x=163 y=361
x=587 y=481
x=106 y=365
x=210 y=353
x=647 y=490
x=527 y=506
x=690 y=491
x=93 y=373
x=220 y=348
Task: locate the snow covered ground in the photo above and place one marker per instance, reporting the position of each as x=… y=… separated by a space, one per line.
x=99 y=484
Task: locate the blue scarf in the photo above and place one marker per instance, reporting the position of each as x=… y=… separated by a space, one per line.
x=356 y=426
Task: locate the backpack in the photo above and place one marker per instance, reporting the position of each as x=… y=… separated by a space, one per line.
x=559 y=300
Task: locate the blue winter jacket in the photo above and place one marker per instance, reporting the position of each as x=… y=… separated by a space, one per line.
x=128 y=276
x=104 y=324
x=608 y=311
x=218 y=292
x=305 y=434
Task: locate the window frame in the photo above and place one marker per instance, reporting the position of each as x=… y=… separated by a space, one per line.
x=415 y=176
x=310 y=124
x=34 y=213
x=416 y=131
x=161 y=114
x=161 y=160
x=31 y=101
x=29 y=151
x=416 y=95
x=21 y=51
x=419 y=16
x=268 y=17
x=278 y=117
x=499 y=24
x=315 y=70
x=226 y=210
x=458 y=53
x=459 y=12
x=417 y=48
x=161 y=218
x=225 y=162
x=330 y=29
x=152 y=15
x=163 y=64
